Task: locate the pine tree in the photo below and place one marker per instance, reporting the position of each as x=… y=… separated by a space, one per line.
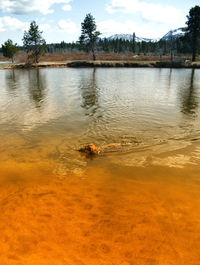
x=9 y=49
x=193 y=28
x=33 y=42
x=89 y=33
x=134 y=43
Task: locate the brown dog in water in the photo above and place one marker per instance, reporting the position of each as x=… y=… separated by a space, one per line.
x=91 y=149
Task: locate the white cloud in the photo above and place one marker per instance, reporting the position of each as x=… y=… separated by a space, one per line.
x=31 y=6
x=149 y=11
x=12 y=24
x=110 y=27
x=66 y=8
x=67 y=26
x=44 y=27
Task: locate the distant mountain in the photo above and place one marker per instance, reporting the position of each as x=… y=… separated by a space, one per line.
x=128 y=37
x=174 y=34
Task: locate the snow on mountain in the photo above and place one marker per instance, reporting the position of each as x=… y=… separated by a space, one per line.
x=177 y=33
x=174 y=34
x=128 y=37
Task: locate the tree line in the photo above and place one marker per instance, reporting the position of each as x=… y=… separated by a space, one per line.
x=161 y=47
x=90 y=41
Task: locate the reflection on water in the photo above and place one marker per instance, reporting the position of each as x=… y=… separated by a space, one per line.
x=134 y=204
x=170 y=77
x=37 y=87
x=11 y=80
x=35 y=82
x=89 y=93
x=190 y=99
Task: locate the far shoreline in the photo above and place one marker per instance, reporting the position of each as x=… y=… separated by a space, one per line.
x=103 y=64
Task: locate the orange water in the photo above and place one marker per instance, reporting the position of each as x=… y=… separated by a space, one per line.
x=114 y=215
x=137 y=204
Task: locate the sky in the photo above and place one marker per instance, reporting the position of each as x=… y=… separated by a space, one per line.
x=60 y=20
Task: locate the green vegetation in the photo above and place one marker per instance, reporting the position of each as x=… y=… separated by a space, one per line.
x=33 y=42
x=193 y=29
x=110 y=64
x=9 y=49
x=162 y=47
x=89 y=33
x=134 y=43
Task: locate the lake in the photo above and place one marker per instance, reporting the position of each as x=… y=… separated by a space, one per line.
x=137 y=202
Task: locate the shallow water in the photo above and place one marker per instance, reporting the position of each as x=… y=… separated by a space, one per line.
x=136 y=203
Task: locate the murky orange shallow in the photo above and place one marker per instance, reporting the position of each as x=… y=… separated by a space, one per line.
x=115 y=215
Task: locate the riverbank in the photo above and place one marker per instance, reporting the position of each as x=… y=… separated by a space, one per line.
x=88 y=63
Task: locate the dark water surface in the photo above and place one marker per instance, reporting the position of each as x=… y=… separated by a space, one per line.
x=138 y=202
